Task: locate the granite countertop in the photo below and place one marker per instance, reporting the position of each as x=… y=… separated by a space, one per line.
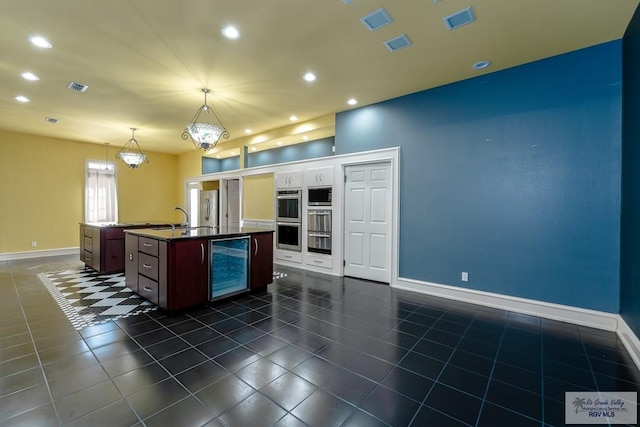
x=167 y=233
x=129 y=224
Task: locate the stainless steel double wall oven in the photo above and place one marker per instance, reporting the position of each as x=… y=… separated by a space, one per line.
x=289 y=219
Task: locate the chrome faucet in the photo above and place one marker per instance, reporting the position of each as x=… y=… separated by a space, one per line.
x=178 y=208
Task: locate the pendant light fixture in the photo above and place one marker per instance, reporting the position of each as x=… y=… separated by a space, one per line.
x=131 y=154
x=205 y=129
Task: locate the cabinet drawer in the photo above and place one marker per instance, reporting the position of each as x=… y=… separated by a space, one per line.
x=148 y=246
x=148 y=288
x=88 y=231
x=319 y=261
x=88 y=244
x=88 y=258
x=290 y=256
x=148 y=265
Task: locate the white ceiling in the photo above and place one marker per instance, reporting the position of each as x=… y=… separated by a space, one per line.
x=145 y=61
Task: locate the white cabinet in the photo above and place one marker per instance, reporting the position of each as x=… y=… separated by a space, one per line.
x=319 y=260
x=289 y=256
x=291 y=179
x=319 y=177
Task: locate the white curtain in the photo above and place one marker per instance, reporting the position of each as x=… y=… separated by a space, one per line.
x=101 y=199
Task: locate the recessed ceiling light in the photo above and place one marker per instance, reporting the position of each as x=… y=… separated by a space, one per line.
x=218 y=156
x=279 y=143
x=21 y=98
x=304 y=138
x=310 y=77
x=230 y=32
x=352 y=101
x=293 y=118
x=248 y=131
x=40 y=42
x=460 y=18
x=253 y=148
x=481 y=65
x=376 y=19
x=29 y=76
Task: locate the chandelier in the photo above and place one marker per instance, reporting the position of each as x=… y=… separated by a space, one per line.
x=205 y=129
x=130 y=154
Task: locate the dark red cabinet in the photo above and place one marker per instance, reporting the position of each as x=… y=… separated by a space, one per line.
x=174 y=274
x=261 y=260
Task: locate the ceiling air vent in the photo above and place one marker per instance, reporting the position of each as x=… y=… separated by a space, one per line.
x=78 y=87
x=458 y=19
x=376 y=19
x=397 y=43
x=51 y=120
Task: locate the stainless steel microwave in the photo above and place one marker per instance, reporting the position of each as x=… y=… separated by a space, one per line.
x=319 y=196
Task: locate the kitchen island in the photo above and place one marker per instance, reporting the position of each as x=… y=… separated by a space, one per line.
x=179 y=268
x=102 y=244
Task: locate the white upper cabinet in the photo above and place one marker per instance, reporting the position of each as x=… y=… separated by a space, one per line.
x=319 y=177
x=291 y=179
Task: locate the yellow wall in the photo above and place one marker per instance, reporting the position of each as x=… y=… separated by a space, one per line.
x=149 y=193
x=258 y=197
x=189 y=166
x=211 y=185
x=42 y=190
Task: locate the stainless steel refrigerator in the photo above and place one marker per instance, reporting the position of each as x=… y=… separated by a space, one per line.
x=209 y=208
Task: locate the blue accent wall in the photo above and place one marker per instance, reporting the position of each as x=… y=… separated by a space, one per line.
x=307 y=150
x=513 y=176
x=230 y=164
x=210 y=165
x=630 y=235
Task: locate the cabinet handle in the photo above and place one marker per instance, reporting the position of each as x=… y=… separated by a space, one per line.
x=130 y=256
x=146 y=288
x=317 y=262
x=147 y=244
x=256 y=241
x=201 y=253
x=146 y=265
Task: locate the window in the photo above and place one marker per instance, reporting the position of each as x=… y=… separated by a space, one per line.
x=100 y=194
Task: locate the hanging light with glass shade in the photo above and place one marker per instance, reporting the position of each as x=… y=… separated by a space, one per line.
x=205 y=129
x=131 y=154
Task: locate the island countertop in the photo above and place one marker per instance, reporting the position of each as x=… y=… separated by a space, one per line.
x=137 y=224
x=168 y=233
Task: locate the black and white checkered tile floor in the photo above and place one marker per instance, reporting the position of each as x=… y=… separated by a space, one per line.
x=90 y=298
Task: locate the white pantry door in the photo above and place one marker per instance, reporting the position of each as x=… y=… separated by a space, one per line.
x=367 y=234
x=231 y=208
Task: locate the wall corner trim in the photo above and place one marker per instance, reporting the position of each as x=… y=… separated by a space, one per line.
x=629 y=340
x=39 y=254
x=562 y=313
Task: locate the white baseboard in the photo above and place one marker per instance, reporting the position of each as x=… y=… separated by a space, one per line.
x=563 y=313
x=39 y=254
x=630 y=340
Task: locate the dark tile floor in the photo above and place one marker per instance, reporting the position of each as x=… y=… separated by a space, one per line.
x=312 y=350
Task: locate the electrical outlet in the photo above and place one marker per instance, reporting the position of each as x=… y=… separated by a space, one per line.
x=465 y=276
x=34 y=244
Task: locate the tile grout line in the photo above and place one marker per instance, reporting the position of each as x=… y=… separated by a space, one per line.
x=493 y=367
x=37 y=353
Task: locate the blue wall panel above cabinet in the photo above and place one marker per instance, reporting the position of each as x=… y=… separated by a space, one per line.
x=512 y=176
x=290 y=153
